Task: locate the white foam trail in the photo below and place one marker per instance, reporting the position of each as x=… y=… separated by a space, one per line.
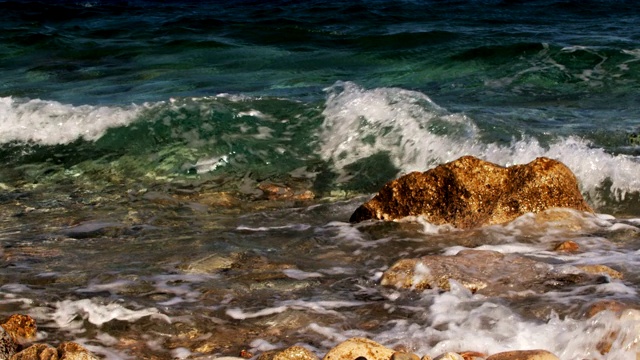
x=418 y=134
x=51 y=122
x=67 y=311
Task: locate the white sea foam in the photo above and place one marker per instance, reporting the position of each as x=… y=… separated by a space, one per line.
x=68 y=311
x=417 y=134
x=51 y=122
x=453 y=316
x=300 y=275
x=319 y=307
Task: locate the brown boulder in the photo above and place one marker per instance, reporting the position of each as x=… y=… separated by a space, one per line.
x=470 y=192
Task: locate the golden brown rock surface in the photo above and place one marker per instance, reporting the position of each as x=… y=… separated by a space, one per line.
x=524 y=355
x=470 y=192
x=22 y=328
x=359 y=347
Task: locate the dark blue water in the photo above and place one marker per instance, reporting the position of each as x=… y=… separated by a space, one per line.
x=124 y=121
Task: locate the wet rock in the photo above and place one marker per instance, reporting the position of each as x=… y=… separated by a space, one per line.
x=470 y=192
x=210 y=264
x=483 y=271
x=449 y=356
x=355 y=348
x=8 y=347
x=524 y=355
x=600 y=270
x=604 y=305
x=37 y=352
x=567 y=246
x=402 y=355
x=292 y=353
x=473 y=355
x=21 y=328
x=274 y=191
x=73 y=351
x=474 y=269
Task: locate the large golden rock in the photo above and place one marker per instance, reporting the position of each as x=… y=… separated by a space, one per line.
x=470 y=192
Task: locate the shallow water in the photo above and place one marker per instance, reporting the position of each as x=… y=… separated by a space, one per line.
x=178 y=177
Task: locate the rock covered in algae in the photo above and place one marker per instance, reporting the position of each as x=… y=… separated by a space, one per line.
x=470 y=192
x=355 y=348
x=524 y=355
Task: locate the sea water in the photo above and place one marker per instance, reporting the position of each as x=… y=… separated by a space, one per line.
x=142 y=142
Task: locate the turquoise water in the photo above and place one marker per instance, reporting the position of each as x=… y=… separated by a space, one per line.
x=144 y=142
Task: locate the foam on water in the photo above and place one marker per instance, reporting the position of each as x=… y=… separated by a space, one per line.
x=50 y=122
x=97 y=313
x=452 y=316
x=417 y=134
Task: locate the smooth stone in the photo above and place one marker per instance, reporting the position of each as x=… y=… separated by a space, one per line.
x=600 y=270
x=524 y=355
x=402 y=355
x=355 y=348
x=470 y=192
x=449 y=356
x=291 y=353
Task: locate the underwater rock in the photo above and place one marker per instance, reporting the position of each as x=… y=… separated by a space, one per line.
x=470 y=192
x=355 y=348
x=291 y=353
x=600 y=270
x=484 y=271
x=472 y=355
x=567 y=246
x=524 y=355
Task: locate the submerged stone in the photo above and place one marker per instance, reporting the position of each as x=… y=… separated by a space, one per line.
x=470 y=192
x=484 y=271
x=524 y=355
x=291 y=353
